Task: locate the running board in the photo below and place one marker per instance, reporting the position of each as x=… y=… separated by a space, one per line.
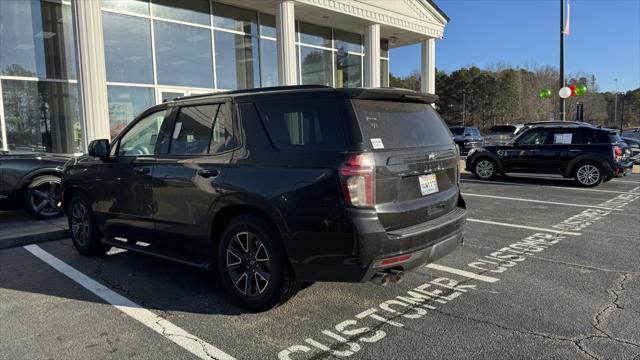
x=162 y=254
x=535 y=175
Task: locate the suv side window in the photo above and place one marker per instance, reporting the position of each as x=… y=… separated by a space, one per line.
x=565 y=137
x=303 y=124
x=590 y=136
x=534 y=137
x=222 y=138
x=192 y=131
x=141 y=138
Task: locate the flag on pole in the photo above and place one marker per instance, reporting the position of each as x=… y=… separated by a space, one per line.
x=566 y=24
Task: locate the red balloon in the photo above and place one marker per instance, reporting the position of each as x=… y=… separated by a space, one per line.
x=573 y=90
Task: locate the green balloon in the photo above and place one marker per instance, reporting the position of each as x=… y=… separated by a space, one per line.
x=581 y=89
x=544 y=94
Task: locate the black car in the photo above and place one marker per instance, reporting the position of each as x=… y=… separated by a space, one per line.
x=276 y=186
x=502 y=134
x=583 y=152
x=31 y=180
x=466 y=138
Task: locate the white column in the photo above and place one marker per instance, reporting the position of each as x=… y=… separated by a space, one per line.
x=372 y=56
x=428 y=66
x=286 y=43
x=92 y=79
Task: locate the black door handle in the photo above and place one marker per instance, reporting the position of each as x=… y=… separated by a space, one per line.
x=141 y=170
x=205 y=173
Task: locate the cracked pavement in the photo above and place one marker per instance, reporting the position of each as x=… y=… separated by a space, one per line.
x=577 y=299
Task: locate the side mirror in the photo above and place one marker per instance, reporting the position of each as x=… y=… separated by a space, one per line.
x=100 y=148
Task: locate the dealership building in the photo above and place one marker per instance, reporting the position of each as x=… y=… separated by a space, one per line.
x=74 y=71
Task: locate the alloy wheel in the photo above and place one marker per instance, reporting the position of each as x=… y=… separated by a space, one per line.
x=80 y=223
x=248 y=264
x=588 y=174
x=484 y=169
x=45 y=199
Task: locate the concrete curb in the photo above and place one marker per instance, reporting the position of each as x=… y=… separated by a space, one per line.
x=27 y=239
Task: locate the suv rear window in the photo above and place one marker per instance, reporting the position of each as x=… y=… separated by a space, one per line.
x=457 y=131
x=502 y=129
x=394 y=125
x=303 y=124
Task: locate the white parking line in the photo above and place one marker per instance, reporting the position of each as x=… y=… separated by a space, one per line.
x=524 y=227
x=540 y=201
x=467 y=274
x=191 y=343
x=626 y=181
x=538 y=185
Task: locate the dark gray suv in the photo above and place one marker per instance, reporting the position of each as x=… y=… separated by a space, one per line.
x=275 y=187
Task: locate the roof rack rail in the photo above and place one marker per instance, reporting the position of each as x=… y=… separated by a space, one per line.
x=252 y=90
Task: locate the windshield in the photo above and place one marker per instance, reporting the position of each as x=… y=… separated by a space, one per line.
x=501 y=129
x=397 y=125
x=457 y=130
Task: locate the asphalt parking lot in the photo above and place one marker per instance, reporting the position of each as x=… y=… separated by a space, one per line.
x=548 y=270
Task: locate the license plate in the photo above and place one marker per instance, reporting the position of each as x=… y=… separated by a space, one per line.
x=428 y=184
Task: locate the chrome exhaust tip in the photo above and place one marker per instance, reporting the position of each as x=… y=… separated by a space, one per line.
x=380 y=278
x=396 y=276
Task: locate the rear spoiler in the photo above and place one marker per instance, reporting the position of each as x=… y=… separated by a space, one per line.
x=389 y=94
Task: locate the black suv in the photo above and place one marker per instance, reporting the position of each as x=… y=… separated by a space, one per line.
x=588 y=154
x=466 y=138
x=275 y=187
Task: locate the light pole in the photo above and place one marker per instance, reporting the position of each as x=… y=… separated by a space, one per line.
x=615 y=106
x=464 y=100
x=562 y=83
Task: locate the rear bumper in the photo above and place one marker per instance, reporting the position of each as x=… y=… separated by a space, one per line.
x=622 y=169
x=425 y=242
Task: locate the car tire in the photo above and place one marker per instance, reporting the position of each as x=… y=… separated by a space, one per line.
x=588 y=174
x=253 y=264
x=84 y=231
x=42 y=197
x=485 y=168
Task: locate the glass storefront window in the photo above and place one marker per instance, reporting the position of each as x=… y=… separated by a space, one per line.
x=193 y=11
x=314 y=35
x=316 y=66
x=346 y=41
x=348 y=70
x=127 y=48
x=268 y=63
x=36 y=40
x=384 y=48
x=132 y=6
x=183 y=55
x=268 y=25
x=125 y=103
x=233 y=18
x=236 y=61
x=41 y=116
x=384 y=73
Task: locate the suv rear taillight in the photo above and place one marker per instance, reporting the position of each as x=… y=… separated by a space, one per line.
x=617 y=153
x=358 y=179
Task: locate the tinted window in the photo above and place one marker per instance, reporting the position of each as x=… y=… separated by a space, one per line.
x=457 y=131
x=388 y=124
x=222 y=138
x=534 y=137
x=192 y=130
x=590 y=136
x=475 y=132
x=502 y=129
x=141 y=138
x=304 y=125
